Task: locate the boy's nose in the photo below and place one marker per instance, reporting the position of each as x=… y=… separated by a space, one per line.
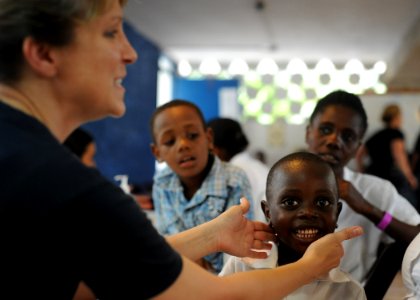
x=333 y=140
x=183 y=143
x=308 y=211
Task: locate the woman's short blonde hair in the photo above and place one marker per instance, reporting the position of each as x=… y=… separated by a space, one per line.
x=390 y=113
x=48 y=21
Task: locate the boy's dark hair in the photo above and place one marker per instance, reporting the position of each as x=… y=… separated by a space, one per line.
x=78 y=141
x=302 y=156
x=344 y=99
x=170 y=104
x=228 y=135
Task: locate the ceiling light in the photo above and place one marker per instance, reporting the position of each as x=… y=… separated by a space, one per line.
x=380 y=67
x=184 y=68
x=210 y=66
x=325 y=66
x=267 y=66
x=238 y=67
x=354 y=66
x=296 y=66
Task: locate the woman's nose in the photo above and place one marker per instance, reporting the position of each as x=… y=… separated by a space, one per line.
x=129 y=54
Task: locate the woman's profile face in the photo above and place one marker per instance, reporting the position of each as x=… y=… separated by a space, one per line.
x=90 y=70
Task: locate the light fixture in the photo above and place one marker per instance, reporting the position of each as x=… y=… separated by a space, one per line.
x=238 y=66
x=267 y=66
x=210 y=66
x=184 y=68
x=380 y=67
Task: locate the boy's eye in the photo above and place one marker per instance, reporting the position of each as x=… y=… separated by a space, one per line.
x=289 y=202
x=348 y=137
x=325 y=130
x=192 y=135
x=323 y=202
x=168 y=142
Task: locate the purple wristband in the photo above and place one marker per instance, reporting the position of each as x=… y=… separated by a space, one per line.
x=386 y=219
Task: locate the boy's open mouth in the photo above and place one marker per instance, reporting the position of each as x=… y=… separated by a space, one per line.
x=307 y=233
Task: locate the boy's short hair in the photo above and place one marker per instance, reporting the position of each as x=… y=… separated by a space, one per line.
x=345 y=99
x=306 y=157
x=170 y=104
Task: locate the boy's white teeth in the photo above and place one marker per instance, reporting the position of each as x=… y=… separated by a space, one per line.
x=119 y=81
x=306 y=233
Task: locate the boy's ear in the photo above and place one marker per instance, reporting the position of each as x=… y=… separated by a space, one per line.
x=39 y=56
x=308 y=129
x=265 y=209
x=339 y=207
x=155 y=151
x=210 y=137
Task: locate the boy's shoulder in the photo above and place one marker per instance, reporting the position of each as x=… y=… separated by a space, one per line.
x=165 y=177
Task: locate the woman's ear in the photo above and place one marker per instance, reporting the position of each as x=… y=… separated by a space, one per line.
x=39 y=56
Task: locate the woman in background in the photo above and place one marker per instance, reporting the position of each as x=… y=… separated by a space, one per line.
x=388 y=156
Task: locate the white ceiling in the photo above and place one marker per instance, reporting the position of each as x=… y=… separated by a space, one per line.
x=369 y=30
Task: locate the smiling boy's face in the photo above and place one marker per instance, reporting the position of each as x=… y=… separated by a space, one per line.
x=181 y=141
x=305 y=206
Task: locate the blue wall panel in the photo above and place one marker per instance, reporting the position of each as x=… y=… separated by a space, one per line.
x=204 y=93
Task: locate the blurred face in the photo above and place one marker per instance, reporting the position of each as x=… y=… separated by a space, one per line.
x=304 y=206
x=88 y=157
x=181 y=141
x=92 y=67
x=335 y=135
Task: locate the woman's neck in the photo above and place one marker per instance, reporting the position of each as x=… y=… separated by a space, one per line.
x=17 y=97
x=18 y=100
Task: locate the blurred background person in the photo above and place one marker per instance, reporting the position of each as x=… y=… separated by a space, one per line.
x=387 y=155
x=261 y=156
x=82 y=144
x=230 y=144
x=415 y=161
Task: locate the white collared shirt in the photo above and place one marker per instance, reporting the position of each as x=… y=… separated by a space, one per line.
x=410 y=269
x=361 y=252
x=335 y=285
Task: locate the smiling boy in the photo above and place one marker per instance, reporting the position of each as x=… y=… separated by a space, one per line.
x=302 y=206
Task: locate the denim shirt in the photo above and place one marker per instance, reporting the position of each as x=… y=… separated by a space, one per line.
x=222 y=188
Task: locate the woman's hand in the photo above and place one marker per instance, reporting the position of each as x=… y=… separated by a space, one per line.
x=241 y=237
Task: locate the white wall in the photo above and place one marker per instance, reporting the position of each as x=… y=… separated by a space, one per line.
x=280 y=139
